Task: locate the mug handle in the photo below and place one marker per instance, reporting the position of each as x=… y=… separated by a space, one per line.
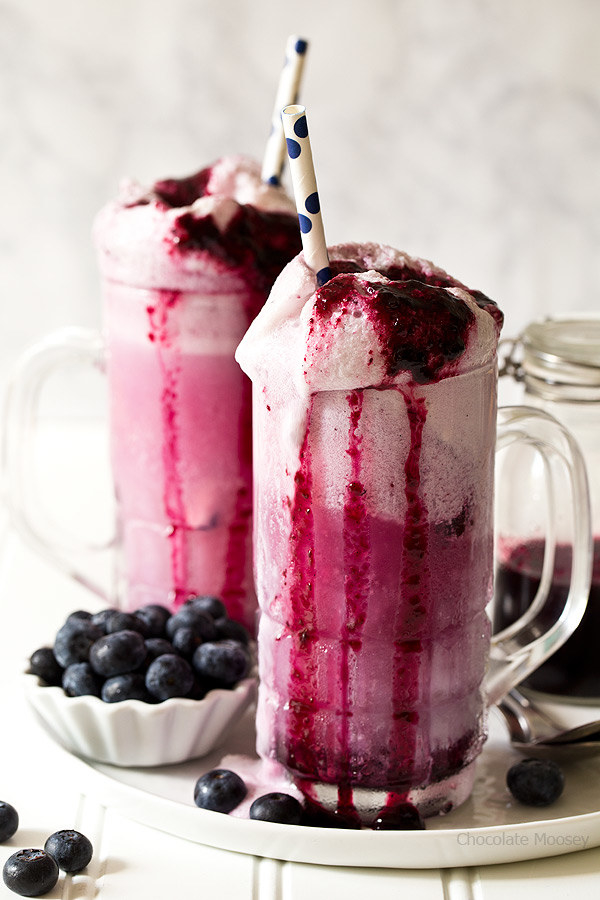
x=523 y=646
x=80 y=346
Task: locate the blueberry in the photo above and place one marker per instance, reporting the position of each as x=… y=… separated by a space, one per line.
x=123 y=621
x=157 y=647
x=73 y=641
x=79 y=614
x=100 y=618
x=401 y=817
x=71 y=850
x=169 y=676
x=131 y=686
x=206 y=603
x=221 y=663
x=9 y=821
x=188 y=617
x=117 y=653
x=220 y=790
x=277 y=807
x=30 y=872
x=44 y=664
x=229 y=628
x=535 y=782
x=154 y=617
x=185 y=640
x=79 y=680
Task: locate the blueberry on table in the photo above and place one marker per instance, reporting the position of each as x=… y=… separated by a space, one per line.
x=219 y=790
x=221 y=663
x=169 y=676
x=117 y=653
x=9 y=821
x=45 y=665
x=74 y=640
x=71 y=850
x=30 y=873
x=79 y=680
x=277 y=807
x=130 y=686
x=535 y=782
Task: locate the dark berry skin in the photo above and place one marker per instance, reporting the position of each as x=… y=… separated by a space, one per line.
x=30 y=873
x=535 y=782
x=155 y=617
x=80 y=680
x=230 y=629
x=169 y=676
x=220 y=790
x=156 y=647
x=213 y=606
x=74 y=640
x=100 y=618
x=117 y=653
x=187 y=617
x=402 y=817
x=131 y=686
x=277 y=807
x=122 y=621
x=44 y=664
x=9 y=821
x=185 y=640
x=221 y=663
x=71 y=850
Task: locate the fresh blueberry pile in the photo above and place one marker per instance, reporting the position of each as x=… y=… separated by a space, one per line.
x=33 y=872
x=535 y=782
x=149 y=655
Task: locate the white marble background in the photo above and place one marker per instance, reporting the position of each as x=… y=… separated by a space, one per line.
x=464 y=131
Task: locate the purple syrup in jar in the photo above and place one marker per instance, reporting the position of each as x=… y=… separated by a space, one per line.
x=574 y=669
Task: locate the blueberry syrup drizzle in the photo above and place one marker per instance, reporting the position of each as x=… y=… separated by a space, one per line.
x=160 y=335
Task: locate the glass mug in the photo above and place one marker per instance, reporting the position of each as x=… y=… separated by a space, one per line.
x=180 y=446
x=373 y=691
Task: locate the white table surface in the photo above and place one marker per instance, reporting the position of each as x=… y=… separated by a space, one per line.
x=134 y=860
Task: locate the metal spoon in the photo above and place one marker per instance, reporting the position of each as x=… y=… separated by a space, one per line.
x=529 y=727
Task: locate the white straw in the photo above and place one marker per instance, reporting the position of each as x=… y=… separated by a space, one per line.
x=304 y=183
x=287 y=92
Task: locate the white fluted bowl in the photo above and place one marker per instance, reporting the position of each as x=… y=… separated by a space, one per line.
x=134 y=733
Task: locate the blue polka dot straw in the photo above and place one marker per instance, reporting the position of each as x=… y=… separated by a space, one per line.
x=304 y=183
x=287 y=92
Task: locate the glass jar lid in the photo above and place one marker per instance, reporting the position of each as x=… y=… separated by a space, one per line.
x=563 y=355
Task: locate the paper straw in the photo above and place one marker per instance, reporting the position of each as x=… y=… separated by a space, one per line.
x=304 y=183
x=287 y=92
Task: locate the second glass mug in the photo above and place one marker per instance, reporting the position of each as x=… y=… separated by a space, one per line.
x=369 y=694
x=181 y=453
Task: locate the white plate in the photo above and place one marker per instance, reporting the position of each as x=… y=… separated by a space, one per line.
x=489 y=828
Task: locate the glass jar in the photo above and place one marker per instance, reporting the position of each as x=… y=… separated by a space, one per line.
x=557 y=362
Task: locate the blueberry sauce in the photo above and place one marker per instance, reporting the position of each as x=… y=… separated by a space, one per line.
x=422 y=329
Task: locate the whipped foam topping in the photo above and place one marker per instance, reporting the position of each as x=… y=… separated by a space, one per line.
x=381 y=320
x=143 y=236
